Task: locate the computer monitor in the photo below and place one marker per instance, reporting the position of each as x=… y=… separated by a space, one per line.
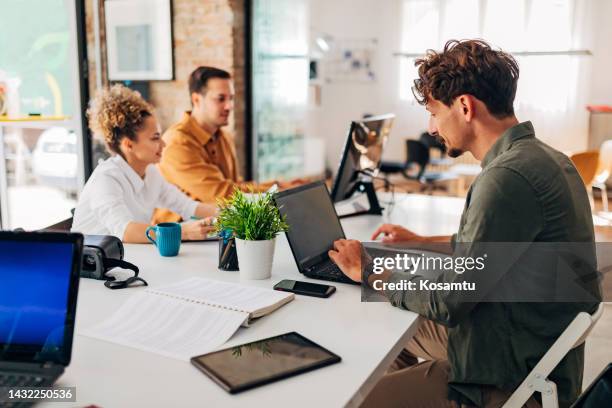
x=361 y=159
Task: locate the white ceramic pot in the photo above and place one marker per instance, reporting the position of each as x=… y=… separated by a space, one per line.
x=255 y=258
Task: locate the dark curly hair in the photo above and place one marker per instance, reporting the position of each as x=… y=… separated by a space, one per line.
x=468 y=67
x=116 y=113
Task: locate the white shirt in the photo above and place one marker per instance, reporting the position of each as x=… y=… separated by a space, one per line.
x=115 y=195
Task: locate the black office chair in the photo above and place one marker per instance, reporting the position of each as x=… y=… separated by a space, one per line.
x=64 y=225
x=434 y=143
x=417 y=156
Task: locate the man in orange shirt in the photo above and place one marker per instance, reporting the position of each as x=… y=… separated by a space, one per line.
x=200 y=158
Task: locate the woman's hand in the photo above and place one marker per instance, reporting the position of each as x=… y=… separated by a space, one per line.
x=204 y=210
x=197 y=230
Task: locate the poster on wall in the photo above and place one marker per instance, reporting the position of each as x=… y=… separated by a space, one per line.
x=351 y=60
x=139 y=39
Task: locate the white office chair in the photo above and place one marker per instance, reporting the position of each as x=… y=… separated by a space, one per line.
x=537 y=380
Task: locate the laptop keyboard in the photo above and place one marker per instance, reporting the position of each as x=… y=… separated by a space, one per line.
x=10 y=380
x=329 y=271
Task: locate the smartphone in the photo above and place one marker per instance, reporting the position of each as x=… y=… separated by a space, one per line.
x=305 y=288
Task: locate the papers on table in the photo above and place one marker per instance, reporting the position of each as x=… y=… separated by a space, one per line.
x=187 y=318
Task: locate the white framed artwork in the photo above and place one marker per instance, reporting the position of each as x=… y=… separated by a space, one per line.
x=139 y=40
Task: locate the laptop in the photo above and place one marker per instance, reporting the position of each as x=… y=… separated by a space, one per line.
x=313 y=228
x=39 y=280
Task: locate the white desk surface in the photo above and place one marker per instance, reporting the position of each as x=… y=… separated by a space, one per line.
x=367 y=336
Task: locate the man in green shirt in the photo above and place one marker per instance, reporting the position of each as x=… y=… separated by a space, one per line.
x=477 y=353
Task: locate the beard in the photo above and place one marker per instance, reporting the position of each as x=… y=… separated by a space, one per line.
x=450 y=151
x=454 y=153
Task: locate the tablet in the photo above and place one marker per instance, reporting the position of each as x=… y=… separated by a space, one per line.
x=250 y=365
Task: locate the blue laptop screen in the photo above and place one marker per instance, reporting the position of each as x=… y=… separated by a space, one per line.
x=34 y=286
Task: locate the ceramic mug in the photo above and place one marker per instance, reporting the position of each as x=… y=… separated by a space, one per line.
x=167 y=238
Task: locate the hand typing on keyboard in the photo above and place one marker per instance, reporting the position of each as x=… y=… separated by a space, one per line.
x=347 y=255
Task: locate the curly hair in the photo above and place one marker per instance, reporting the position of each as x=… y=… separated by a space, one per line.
x=116 y=113
x=468 y=67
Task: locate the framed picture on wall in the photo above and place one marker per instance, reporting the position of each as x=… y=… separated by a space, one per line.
x=139 y=40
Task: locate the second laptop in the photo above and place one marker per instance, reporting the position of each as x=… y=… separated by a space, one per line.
x=313 y=228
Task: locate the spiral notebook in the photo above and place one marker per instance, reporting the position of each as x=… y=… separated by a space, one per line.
x=187 y=318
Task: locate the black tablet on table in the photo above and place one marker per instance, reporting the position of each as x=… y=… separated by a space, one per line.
x=261 y=362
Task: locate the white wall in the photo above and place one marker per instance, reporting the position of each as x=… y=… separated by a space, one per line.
x=600 y=82
x=346 y=101
x=381 y=19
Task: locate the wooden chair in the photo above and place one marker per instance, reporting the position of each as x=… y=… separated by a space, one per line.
x=604 y=171
x=587 y=164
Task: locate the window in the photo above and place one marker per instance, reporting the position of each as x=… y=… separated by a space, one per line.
x=41 y=160
x=546 y=83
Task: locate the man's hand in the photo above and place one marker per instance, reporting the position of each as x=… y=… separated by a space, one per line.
x=395 y=233
x=347 y=255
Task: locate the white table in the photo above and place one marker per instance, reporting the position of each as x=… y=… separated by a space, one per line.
x=367 y=336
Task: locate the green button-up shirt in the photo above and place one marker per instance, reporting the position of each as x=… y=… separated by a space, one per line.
x=526 y=192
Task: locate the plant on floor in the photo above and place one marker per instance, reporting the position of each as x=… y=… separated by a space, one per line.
x=252 y=217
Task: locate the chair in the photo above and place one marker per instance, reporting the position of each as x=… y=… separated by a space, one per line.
x=587 y=164
x=537 y=380
x=417 y=155
x=433 y=143
x=63 y=225
x=603 y=173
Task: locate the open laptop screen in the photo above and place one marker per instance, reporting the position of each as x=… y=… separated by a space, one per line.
x=313 y=222
x=38 y=279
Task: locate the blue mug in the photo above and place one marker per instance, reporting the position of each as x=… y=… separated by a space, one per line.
x=167 y=238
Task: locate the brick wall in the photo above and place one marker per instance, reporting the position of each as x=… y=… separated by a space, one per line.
x=205 y=32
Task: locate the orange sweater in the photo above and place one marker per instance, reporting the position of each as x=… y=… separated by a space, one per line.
x=202 y=166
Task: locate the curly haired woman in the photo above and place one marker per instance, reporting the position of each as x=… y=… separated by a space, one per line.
x=124 y=190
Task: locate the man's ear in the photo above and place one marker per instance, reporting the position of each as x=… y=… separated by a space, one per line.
x=195 y=98
x=467 y=106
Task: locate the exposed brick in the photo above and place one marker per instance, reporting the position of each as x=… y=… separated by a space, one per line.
x=205 y=32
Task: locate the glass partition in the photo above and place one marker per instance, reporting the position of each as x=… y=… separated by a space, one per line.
x=280 y=70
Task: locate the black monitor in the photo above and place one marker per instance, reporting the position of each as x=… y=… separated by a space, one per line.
x=361 y=159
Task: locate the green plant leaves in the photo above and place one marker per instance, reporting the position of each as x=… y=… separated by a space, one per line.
x=253 y=218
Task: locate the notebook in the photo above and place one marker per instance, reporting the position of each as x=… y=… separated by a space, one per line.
x=187 y=318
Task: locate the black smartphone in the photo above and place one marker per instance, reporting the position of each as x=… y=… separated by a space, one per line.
x=305 y=288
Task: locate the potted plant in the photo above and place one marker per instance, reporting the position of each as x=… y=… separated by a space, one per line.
x=254 y=221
